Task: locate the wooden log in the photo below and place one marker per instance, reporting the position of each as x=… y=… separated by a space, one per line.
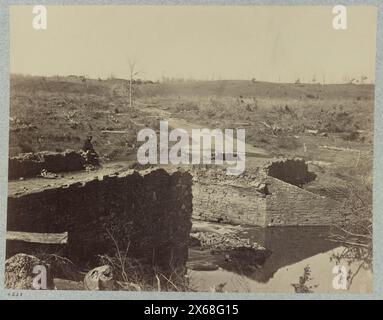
x=44 y=238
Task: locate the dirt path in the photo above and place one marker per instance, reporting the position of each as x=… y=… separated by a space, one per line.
x=255 y=157
x=258 y=156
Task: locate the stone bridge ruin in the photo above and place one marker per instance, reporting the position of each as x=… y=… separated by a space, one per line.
x=269 y=196
x=150 y=211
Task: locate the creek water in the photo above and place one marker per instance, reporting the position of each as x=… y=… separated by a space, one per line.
x=292 y=249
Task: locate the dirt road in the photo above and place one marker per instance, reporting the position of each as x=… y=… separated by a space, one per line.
x=255 y=156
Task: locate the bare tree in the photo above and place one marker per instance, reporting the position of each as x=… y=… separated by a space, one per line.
x=354 y=232
x=132 y=73
x=323 y=78
x=355 y=227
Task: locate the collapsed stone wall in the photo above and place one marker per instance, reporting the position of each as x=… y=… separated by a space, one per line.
x=221 y=198
x=292 y=171
x=149 y=212
x=30 y=164
x=228 y=204
x=260 y=199
x=290 y=205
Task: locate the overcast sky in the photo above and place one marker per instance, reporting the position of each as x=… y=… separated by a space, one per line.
x=202 y=42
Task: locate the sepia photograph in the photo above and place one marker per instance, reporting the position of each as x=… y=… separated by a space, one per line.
x=204 y=148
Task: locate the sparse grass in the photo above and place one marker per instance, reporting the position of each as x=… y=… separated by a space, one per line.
x=63 y=112
x=279 y=119
x=287 y=143
x=131 y=274
x=280 y=124
x=303 y=285
x=57 y=114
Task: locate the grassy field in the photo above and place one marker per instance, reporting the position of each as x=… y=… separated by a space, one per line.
x=311 y=121
x=58 y=113
x=330 y=126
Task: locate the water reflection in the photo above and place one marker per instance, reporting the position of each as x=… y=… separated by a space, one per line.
x=292 y=249
x=288 y=245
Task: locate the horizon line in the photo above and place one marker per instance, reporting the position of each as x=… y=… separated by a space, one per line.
x=190 y=79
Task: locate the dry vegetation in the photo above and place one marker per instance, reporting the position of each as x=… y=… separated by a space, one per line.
x=330 y=126
x=311 y=121
x=58 y=113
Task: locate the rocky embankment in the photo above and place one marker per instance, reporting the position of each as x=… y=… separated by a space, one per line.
x=223 y=247
x=23 y=271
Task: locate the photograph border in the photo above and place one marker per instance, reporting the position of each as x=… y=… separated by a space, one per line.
x=100 y=295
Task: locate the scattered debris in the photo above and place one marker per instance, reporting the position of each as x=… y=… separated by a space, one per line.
x=273 y=127
x=222 y=242
x=89 y=167
x=47 y=175
x=310 y=131
x=100 y=278
x=338 y=148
